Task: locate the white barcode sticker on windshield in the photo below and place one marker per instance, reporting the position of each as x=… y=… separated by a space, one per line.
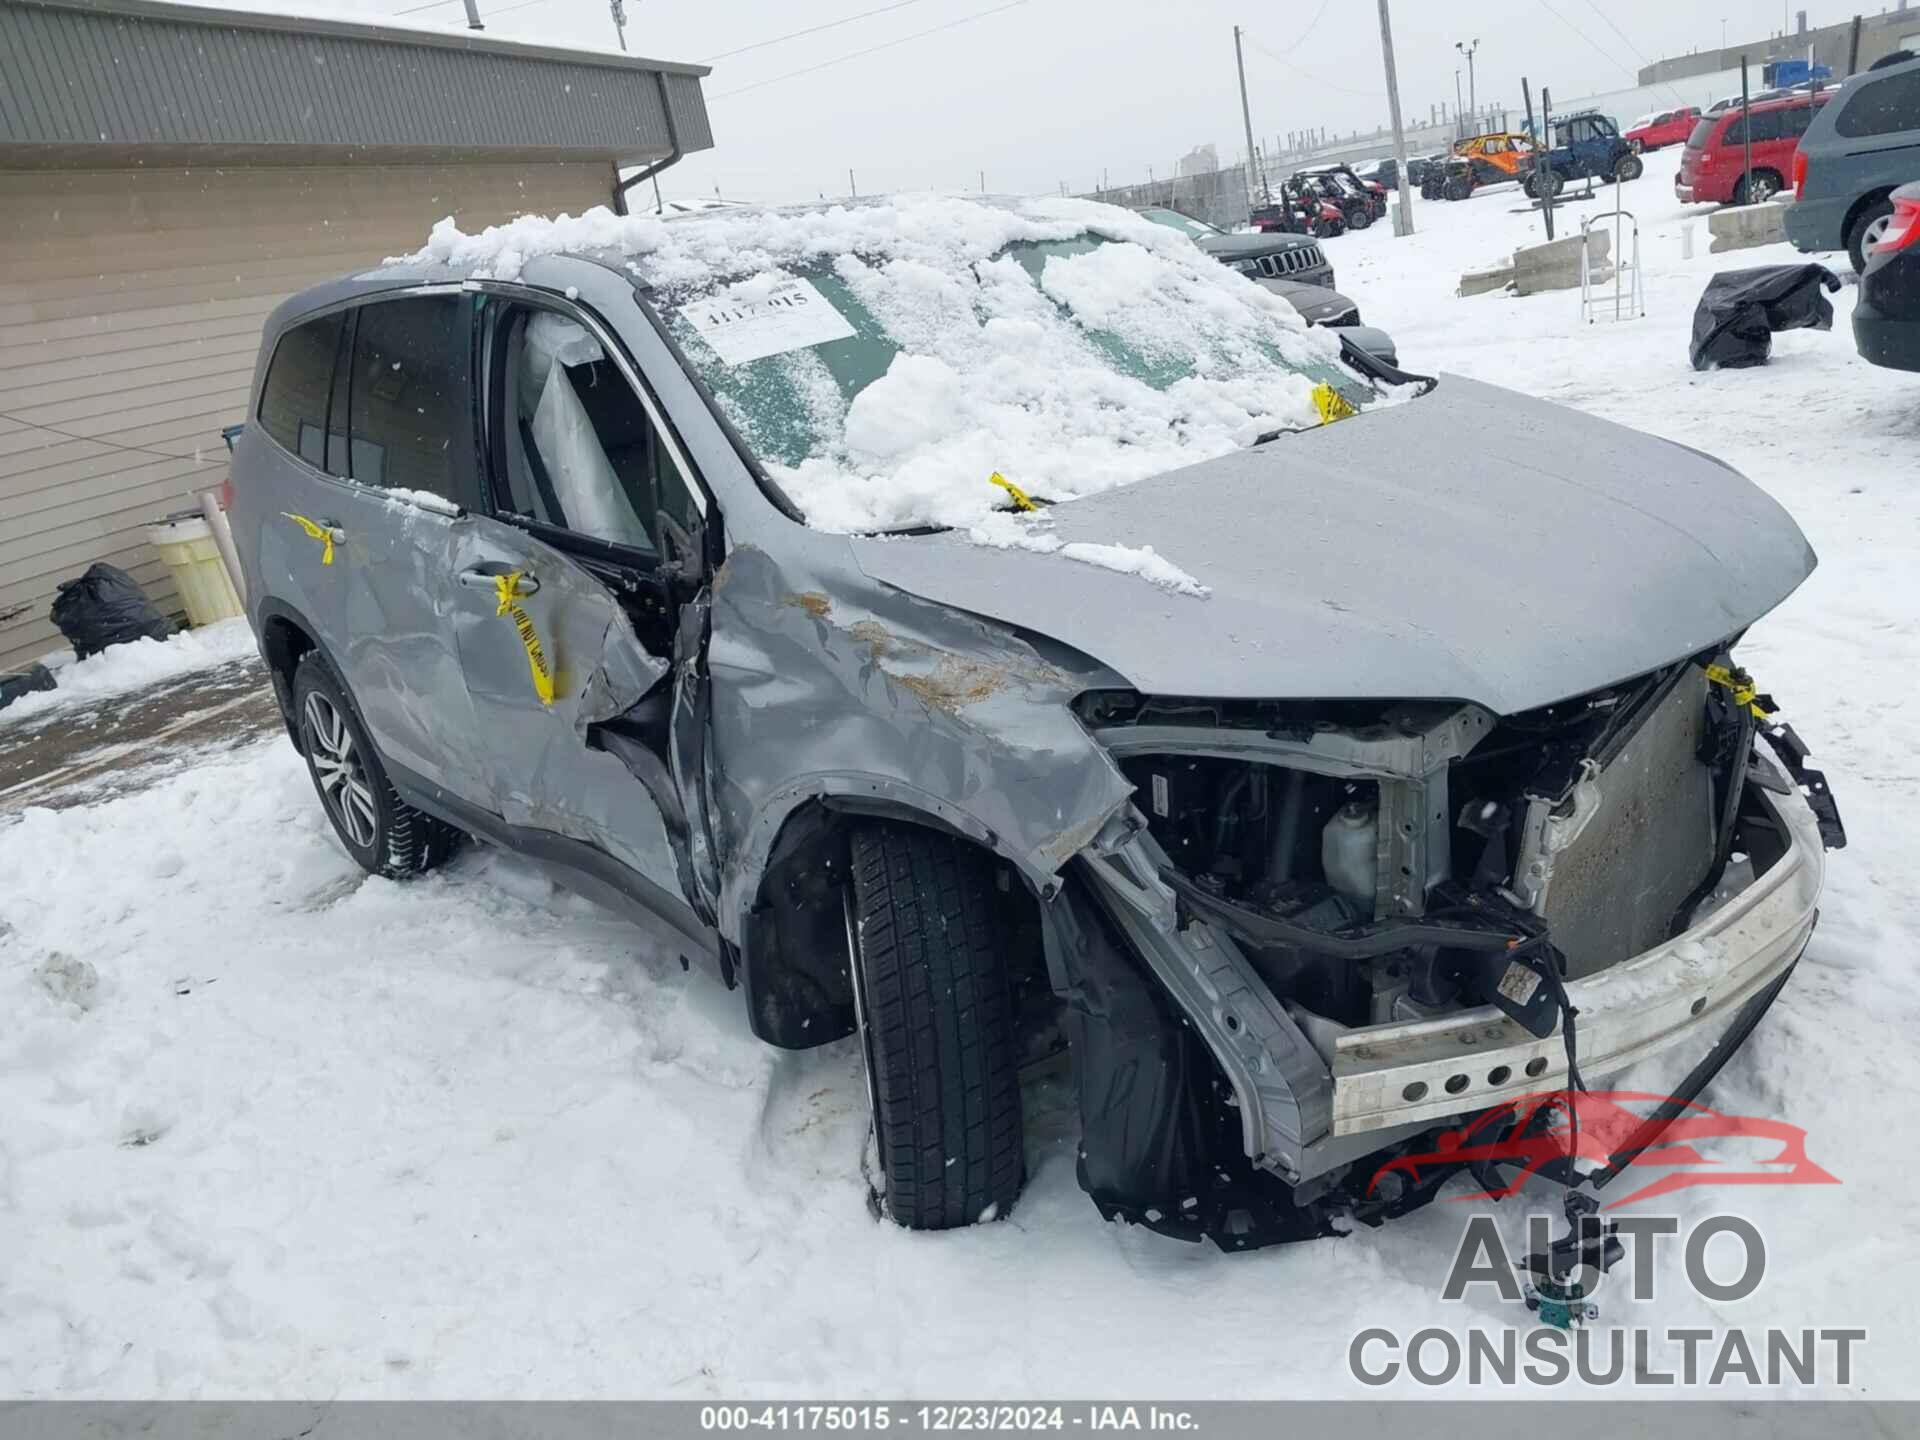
x=766 y=320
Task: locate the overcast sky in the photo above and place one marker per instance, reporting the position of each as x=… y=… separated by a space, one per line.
x=1045 y=91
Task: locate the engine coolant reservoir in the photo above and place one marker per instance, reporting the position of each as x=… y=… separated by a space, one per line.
x=1347 y=847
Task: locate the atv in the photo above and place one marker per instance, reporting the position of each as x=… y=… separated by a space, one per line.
x=1586 y=146
x=1360 y=204
x=1450 y=179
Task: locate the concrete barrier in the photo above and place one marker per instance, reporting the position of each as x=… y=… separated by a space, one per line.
x=1556 y=264
x=1745 y=226
x=1478 y=282
x=1552 y=266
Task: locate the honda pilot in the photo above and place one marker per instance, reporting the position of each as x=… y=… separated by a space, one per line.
x=965 y=628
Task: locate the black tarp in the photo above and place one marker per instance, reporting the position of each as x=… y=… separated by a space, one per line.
x=1740 y=310
x=106 y=606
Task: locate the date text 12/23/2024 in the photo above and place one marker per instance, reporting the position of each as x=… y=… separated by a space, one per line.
x=937 y=1419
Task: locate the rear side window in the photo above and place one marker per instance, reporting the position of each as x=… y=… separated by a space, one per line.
x=411 y=395
x=1794 y=122
x=1882 y=107
x=294 y=401
x=1761 y=125
x=1702 y=133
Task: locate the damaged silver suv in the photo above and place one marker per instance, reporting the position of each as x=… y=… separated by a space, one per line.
x=964 y=625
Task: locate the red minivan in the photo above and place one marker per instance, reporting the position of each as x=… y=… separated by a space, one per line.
x=1713 y=166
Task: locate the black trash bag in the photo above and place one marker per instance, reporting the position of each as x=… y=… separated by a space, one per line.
x=1734 y=323
x=106 y=606
x=24 y=682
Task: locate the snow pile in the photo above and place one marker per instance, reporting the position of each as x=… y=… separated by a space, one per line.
x=1029 y=532
x=1069 y=366
x=134 y=665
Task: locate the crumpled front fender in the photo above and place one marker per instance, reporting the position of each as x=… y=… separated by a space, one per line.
x=827 y=685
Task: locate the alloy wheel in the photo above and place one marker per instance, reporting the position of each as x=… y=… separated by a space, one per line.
x=338 y=766
x=1875 y=232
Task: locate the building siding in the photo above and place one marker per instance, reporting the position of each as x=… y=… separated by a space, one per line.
x=130 y=312
x=93 y=74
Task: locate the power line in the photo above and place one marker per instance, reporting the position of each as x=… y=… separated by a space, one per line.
x=1605 y=55
x=812 y=30
x=96 y=440
x=1626 y=40
x=1311 y=79
x=871 y=49
x=1301 y=38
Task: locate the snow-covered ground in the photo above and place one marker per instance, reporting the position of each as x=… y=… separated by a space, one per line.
x=268 y=1127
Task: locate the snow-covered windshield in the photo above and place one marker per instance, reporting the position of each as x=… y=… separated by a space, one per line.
x=883 y=376
x=885 y=359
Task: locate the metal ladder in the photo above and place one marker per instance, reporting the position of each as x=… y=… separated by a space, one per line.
x=1626 y=297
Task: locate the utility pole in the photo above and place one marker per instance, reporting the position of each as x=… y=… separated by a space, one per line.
x=473 y=16
x=1246 y=115
x=1459 y=106
x=1403 y=212
x=1473 y=94
x=853 y=190
x=619 y=11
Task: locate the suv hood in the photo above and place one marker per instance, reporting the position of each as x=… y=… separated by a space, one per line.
x=1475 y=544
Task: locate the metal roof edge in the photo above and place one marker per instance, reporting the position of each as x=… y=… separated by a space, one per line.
x=164 y=10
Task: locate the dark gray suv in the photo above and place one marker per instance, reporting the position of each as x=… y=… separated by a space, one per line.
x=968 y=628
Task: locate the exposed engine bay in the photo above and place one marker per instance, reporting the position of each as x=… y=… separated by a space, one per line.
x=1387 y=864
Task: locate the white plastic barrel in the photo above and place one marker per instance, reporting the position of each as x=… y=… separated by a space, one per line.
x=187 y=546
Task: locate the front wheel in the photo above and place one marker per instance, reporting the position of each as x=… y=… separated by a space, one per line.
x=1628 y=167
x=1544 y=184
x=1359 y=217
x=1636 y=146
x=936 y=1018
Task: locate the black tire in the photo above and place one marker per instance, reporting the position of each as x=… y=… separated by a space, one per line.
x=385 y=835
x=1857 y=231
x=937 y=1021
x=1766 y=185
x=1637 y=146
x=1628 y=167
x=1359 y=217
x=1550 y=183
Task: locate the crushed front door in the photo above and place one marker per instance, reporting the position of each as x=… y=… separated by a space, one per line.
x=548 y=653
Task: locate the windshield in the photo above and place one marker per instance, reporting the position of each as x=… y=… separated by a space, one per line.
x=885 y=361
x=1185 y=224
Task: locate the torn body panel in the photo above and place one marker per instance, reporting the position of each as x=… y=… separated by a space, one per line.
x=875 y=699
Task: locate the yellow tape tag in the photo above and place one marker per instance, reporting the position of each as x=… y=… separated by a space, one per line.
x=507 y=590
x=1021 y=500
x=1745 y=692
x=1331 y=404
x=315 y=532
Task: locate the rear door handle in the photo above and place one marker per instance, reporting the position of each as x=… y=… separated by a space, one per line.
x=490 y=579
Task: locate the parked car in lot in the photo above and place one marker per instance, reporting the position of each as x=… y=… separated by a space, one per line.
x=1886 y=317
x=1862 y=144
x=1586 y=146
x=671 y=557
x=1260 y=255
x=1713 y=166
x=1662 y=128
x=1386 y=173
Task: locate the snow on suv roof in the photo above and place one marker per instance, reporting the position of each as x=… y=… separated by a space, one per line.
x=885 y=358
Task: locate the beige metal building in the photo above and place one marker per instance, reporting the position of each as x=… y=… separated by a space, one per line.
x=168 y=174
